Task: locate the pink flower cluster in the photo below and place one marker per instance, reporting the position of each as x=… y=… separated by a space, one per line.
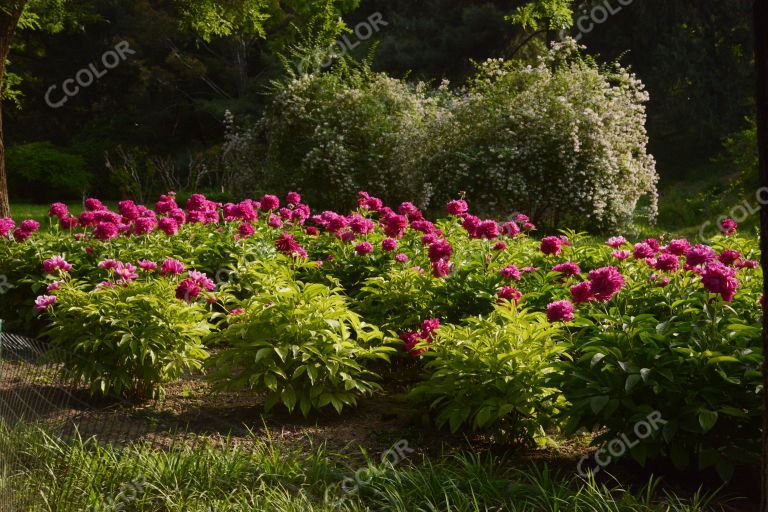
x=426 y=334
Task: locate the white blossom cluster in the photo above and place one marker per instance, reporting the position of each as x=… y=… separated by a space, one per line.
x=563 y=141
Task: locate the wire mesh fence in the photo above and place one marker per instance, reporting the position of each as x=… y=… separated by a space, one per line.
x=38 y=401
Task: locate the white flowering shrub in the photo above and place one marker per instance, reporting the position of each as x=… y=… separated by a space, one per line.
x=564 y=140
x=329 y=135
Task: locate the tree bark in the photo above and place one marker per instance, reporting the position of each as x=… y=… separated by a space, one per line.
x=761 y=99
x=9 y=19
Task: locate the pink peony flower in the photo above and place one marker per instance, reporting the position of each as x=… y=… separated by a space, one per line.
x=582 y=292
x=667 y=263
x=440 y=250
x=729 y=256
x=528 y=226
x=106 y=231
x=69 y=222
x=642 y=250
x=487 y=229
x=311 y=231
x=171 y=266
x=58 y=210
x=653 y=244
x=237 y=311
x=6 y=226
x=395 y=225
x=128 y=210
x=560 y=311
x=269 y=203
x=678 y=247
x=93 y=205
x=402 y=258
x=511 y=272
x=660 y=281
x=57 y=262
x=551 y=245
x=29 y=225
x=187 y=290
x=202 y=280
x=616 y=241
x=166 y=204
x=363 y=248
x=424 y=226
x=360 y=225
x=274 y=221
x=746 y=264
x=510 y=229
x=606 y=282
x=429 y=239
x=470 y=224
x=347 y=237
x=620 y=255
x=126 y=272
x=388 y=244
x=293 y=198
x=699 y=255
x=500 y=246
x=144 y=225
x=43 y=301
x=521 y=218
x=441 y=268
x=717 y=278
x=510 y=294
x=246 y=229
x=168 y=225
x=458 y=207
x=367 y=202
x=567 y=269
x=147 y=265
x=728 y=227
x=54 y=286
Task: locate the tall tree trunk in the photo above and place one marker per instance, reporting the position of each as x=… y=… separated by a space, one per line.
x=9 y=19
x=761 y=98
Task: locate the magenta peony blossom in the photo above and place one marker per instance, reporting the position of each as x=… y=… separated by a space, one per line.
x=429 y=239
x=126 y=272
x=440 y=250
x=642 y=250
x=568 y=268
x=43 y=301
x=128 y=210
x=728 y=227
x=58 y=210
x=458 y=207
x=168 y=225
x=363 y=248
x=347 y=237
x=57 y=262
x=202 y=280
x=269 y=203
x=246 y=229
x=367 y=202
x=93 y=205
x=487 y=229
x=106 y=231
x=606 y=282
x=667 y=263
x=551 y=245
x=560 y=311
x=678 y=247
x=402 y=258
x=660 y=281
x=287 y=244
x=424 y=226
x=166 y=204
x=144 y=225
x=699 y=255
x=293 y=198
x=441 y=268
x=616 y=241
x=147 y=265
x=69 y=222
x=510 y=294
x=171 y=266
x=274 y=221
x=29 y=225
x=311 y=231
x=511 y=272
x=582 y=292
x=653 y=244
x=510 y=229
x=620 y=255
x=528 y=226
x=54 y=286
x=500 y=246
x=187 y=290
x=395 y=225
x=388 y=244
x=729 y=256
x=360 y=225
x=746 y=263
x=6 y=226
x=717 y=278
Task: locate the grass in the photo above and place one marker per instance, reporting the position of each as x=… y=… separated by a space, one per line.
x=45 y=473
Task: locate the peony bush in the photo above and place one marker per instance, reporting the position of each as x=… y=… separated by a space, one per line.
x=511 y=334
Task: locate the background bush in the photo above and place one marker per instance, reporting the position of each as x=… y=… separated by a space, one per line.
x=43 y=172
